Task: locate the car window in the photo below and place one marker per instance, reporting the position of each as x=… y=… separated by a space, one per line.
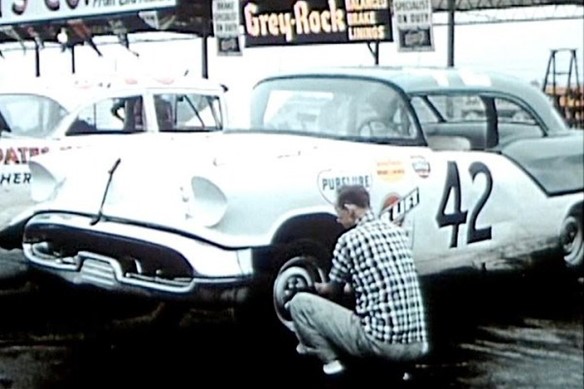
x=482 y=120
x=188 y=112
x=110 y=115
x=29 y=115
x=424 y=111
x=337 y=107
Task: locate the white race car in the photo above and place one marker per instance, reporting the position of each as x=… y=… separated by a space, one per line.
x=221 y=220
x=29 y=111
x=99 y=111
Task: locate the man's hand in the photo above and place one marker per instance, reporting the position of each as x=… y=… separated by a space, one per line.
x=329 y=290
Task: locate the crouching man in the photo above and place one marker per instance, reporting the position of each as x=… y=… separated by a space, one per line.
x=373 y=258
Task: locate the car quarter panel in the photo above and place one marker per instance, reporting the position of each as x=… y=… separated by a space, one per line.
x=477 y=209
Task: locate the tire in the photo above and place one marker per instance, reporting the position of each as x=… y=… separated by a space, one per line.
x=303 y=260
x=572 y=241
x=297 y=274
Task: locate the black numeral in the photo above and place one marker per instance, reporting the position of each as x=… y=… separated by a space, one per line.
x=458 y=216
x=473 y=234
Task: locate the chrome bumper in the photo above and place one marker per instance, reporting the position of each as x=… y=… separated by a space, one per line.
x=136 y=259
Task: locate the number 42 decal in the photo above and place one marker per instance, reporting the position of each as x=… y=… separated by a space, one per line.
x=458 y=216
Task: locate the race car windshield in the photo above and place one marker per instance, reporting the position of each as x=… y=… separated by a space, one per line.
x=333 y=107
x=29 y=115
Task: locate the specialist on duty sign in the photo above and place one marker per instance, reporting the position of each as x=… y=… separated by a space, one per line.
x=226 y=26
x=413 y=20
x=290 y=22
x=31 y=11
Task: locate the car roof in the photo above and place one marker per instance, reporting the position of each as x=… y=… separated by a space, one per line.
x=445 y=80
x=423 y=79
x=66 y=97
x=73 y=91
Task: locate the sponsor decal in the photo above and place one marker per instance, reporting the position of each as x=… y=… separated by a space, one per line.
x=390 y=171
x=395 y=207
x=19 y=155
x=330 y=181
x=421 y=166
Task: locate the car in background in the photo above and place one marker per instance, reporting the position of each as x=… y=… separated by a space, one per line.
x=100 y=112
x=245 y=215
x=30 y=109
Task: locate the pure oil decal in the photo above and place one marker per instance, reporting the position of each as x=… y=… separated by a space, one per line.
x=329 y=182
x=321 y=21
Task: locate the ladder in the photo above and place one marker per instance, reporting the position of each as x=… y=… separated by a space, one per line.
x=564 y=87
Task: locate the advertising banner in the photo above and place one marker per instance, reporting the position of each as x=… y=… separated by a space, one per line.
x=31 y=11
x=413 y=20
x=289 y=22
x=226 y=23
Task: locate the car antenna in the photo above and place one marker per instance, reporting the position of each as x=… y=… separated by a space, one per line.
x=111 y=172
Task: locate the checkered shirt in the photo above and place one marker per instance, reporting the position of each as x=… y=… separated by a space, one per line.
x=375 y=258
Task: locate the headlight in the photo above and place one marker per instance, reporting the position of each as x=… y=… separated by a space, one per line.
x=43 y=182
x=208 y=204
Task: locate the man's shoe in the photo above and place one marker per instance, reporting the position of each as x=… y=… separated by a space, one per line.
x=333 y=367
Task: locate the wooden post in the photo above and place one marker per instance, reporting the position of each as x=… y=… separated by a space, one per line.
x=451 y=11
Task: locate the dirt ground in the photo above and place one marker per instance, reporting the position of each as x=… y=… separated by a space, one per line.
x=510 y=330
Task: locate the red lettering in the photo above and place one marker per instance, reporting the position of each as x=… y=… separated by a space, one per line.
x=22 y=151
x=20 y=155
x=11 y=157
x=33 y=151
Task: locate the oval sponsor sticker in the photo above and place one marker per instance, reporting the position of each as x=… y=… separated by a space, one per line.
x=421 y=166
x=329 y=181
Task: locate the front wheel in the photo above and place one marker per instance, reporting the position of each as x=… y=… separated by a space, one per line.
x=297 y=274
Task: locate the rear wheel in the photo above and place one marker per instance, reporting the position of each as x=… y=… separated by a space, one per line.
x=572 y=241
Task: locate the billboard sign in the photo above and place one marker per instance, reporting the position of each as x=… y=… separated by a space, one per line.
x=413 y=20
x=290 y=22
x=34 y=11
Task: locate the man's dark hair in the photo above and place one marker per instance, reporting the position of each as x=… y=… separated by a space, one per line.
x=353 y=194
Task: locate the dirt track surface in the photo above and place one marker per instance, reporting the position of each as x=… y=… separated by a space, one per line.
x=494 y=331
